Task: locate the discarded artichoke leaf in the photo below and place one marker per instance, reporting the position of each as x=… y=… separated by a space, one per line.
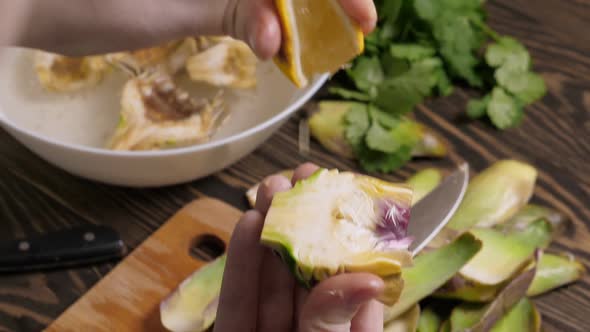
x=531 y=213
x=407 y=322
x=431 y=144
x=481 y=318
x=509 y=253
x=424 y=182
x=59 y=73
x=446 y=326
x=459 y=288
x=335 y=222
x=465 y=316
x=327 y=126
x=431 y=270
x=157 y=114
x=523 y=317
x=252 y=192
x=429 y=321
x=228 y=63
x=192 y=307
x=495 y=195
x=555 y=271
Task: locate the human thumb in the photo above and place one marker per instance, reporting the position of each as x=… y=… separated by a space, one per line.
x=333 y=304
x=255 y=22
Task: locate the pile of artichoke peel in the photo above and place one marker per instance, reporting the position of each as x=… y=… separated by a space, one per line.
x=484 y=269
x=156 y=113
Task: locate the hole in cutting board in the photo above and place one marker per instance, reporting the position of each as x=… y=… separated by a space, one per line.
x=207 y=247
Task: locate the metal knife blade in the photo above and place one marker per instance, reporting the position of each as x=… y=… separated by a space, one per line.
x=65 y=248
x=431 y=214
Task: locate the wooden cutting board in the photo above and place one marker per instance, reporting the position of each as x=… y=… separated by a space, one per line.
x=128 y=298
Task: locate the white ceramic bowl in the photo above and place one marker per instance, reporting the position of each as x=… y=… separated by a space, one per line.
x=69 y=131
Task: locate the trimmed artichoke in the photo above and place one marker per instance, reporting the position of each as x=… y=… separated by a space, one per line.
x=336 y=222
x=157 y=114
x=224 y=62
x=192 y=307
x=58 y=73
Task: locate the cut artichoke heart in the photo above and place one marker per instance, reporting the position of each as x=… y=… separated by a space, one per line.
x=338 y=222
x=224 y=62
x=157 y=114
x=58 y=73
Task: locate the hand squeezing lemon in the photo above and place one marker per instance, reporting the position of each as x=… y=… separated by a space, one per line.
x=318 y=36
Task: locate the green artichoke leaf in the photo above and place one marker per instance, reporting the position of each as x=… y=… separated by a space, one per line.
x=192 y=307
x=554 y=271
x=431 y=270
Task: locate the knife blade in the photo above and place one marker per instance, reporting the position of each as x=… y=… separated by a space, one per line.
x=65 y=248
x=432 y=213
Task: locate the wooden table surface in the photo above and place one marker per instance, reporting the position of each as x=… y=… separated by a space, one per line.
x=36 y=197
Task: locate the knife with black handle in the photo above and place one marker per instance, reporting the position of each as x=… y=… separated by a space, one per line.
x=81 y=245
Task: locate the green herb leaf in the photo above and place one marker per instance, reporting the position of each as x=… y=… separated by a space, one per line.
x=393 y=66
x=357 y=121
x=400 y=94
x=504 y=110
x=427 y=9
x=444 y=85
x=375 y=161
x=508 y=51
x=412 y=52
x=458 y=41
x=380 y=139
x=476 y=108
x=349 y=94
x=367 y=74
x=527 y=86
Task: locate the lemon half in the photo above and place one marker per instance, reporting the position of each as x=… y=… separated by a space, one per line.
x=318 y=37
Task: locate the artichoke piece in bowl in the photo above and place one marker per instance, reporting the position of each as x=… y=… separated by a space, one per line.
x=337 y=222
x=157 y=114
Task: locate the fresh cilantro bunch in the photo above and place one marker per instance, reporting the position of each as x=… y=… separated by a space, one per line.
x=516 y=85
x=420 y=49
